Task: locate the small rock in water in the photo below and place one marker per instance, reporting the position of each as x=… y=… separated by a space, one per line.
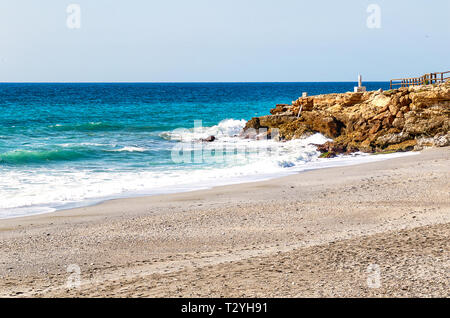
x=209 y=139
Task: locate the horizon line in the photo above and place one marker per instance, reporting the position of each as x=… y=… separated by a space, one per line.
x=181 y=82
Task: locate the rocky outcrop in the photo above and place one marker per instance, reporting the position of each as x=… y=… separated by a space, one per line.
x=395 y=120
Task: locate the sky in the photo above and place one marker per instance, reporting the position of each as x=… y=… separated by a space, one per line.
x=222 y=40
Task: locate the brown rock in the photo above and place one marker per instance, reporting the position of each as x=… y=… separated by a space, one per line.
x=405 y=109
x=375 y=127
x=404 y=101
x=209 y=139
x=253 y=123
x=381 y=101
x=394 y=108
x=387 y=122
x=331 y=147
x=328 y=155
x=281 y=108
x=403 y=146
x=398 y=123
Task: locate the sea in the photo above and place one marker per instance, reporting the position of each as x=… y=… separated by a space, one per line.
x=66 y=145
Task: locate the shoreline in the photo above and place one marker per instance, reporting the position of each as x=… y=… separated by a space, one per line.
x=327 y=164
x=307 y=234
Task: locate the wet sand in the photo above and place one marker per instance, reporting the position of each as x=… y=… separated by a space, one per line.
x=377 y=229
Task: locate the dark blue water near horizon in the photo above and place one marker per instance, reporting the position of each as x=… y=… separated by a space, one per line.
x=41 y=103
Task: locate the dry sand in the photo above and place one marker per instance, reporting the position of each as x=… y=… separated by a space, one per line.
x=378 y=229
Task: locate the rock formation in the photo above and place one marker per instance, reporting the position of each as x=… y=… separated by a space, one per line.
x=395 y=120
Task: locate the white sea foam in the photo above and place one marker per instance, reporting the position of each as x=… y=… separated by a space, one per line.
x=131 y=149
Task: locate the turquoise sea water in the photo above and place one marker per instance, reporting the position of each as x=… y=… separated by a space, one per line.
x=69 y=144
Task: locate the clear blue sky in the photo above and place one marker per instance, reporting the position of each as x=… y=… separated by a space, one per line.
x=221 y=40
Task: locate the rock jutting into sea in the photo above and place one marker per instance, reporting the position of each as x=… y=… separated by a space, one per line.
x=408 y=118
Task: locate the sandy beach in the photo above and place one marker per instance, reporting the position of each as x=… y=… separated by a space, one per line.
x=321 y=233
